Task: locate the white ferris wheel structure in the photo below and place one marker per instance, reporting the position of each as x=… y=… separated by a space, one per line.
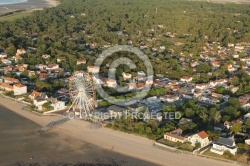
x=82 y=93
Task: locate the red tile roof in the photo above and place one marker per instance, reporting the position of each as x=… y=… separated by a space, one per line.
x=203 y=134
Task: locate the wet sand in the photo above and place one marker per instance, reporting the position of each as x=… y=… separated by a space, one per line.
x=30 y=5
x=20 y=142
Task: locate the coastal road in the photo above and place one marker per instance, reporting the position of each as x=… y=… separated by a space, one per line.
x=127 y=144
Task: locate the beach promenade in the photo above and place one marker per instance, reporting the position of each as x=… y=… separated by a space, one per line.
x=127 y=144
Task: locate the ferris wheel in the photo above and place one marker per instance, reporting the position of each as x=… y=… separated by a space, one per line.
x=82 y=93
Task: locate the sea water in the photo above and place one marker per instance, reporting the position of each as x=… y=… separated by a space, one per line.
x=6 y=2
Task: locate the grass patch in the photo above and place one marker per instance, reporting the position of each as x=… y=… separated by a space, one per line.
x=185 y=146
x=209 y=153
x=167 y=142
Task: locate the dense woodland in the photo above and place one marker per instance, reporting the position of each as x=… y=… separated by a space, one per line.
x=63 y=31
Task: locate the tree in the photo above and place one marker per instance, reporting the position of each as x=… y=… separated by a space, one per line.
x=247 y=124
x=189 y=113
x=47 y=106
x=217 y=117
x=236 y=127
x=197 y=145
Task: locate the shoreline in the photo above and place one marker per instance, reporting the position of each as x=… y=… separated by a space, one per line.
x=29 y=6
x=124 y=144
x=19 y=139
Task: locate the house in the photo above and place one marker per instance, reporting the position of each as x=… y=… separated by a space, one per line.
x=194 y=64
x=45 y=56
x=149 y=82
x=117 y=111
x=224 y=144
x=17 y=58
x=31 y=73
x=186 y=79
x=201 y=137
x=201 y=86
x=93 y=69
x=52 y=67
x=247 y=141
x=141 y=74
x=216 y=64
x=57 y=105
x=247 y=116
x=20 y=51
x=175 y=136
x=132 y=86
x=170 y=98
x=42 y=76
x=9 y=80
x=111 y=83
x=126 y=76
x=38 y=102
x=6 y=87
x=6 y=61
x=82 y=61
x=245 y=104
x=3 y=55
x=34 y=95
x=41 y=66
x=19 y=89
x=245 y=98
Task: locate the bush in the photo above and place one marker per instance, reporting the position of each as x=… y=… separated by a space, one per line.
x=228 y=154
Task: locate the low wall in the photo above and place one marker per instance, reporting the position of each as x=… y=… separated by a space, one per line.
x=172 y=149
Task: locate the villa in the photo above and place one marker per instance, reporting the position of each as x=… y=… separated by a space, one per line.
x=224 y=144
x=201 y=137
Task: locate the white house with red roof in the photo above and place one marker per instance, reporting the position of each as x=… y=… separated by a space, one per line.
x=6 y=87
x=201 y=137
x=9 y=80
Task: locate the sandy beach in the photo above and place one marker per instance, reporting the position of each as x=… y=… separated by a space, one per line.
x=29 y=6
x=120 y=143
x=21 y=143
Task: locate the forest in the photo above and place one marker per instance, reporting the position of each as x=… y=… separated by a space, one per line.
x=65 y=31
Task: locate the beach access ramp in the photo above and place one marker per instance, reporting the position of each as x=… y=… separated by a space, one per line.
x=53 y=124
